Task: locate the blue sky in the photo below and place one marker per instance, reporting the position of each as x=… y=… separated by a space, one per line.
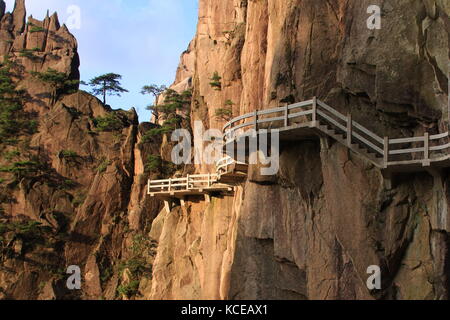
x=140 y=39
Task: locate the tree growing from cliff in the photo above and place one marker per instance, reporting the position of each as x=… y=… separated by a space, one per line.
x=107 y=84
x=155 y=91
x=225 y=113
x=175 y=106
x=57 y=80
x=13 y=120
x=216 y=83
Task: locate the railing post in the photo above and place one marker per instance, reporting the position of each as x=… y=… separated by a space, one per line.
x=426 y=150
x=256 y=121
x=170 y=185
x=286 y=115
x=148 y=186
x=386 y=152
x=314 y=114
x=209 y=180
x=349 y=129
x=187 y=182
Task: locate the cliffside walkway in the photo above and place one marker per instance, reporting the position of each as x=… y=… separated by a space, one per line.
x=303 y=121
x=228 y=173
x=313 y=118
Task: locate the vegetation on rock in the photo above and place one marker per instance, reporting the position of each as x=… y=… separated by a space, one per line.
x=107 y=84
x=137 y=266
x=155 y=91
x=225 y=113
x=59 y=82
x=216 y=83
x=174 y=105
x=110 y=122
x=13 y=120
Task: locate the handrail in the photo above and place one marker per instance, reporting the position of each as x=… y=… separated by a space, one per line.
x=190 y=182
x=222 y=164
x=408 y=151
x=320 y=111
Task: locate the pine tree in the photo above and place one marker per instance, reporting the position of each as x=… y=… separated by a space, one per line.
x=13 y=120
x=155 y=91
x=57 y=80
x=107 y=84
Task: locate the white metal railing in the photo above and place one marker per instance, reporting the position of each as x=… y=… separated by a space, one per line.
x=416 y=150
x=223 y=164
x=314 y=114
x=190 y=182
x=251 y=120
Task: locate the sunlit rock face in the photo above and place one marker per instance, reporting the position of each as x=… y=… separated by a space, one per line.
x=83 y=199
x=309 y=232
x=312 y=231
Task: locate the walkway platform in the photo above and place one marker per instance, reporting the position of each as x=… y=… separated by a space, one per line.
x=313 y=118
x=308 y=120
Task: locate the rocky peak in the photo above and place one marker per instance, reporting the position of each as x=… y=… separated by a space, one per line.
x=310 y=232
x=37 y=46
x=90 y=185
x=19 y=15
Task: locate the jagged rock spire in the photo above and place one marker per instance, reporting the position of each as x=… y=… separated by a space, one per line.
x=19 y=16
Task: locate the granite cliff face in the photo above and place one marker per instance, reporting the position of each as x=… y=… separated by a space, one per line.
x=72 y=188
x=310 y=232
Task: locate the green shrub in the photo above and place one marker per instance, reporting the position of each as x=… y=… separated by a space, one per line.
x=22 y=169
x=224 y=113
x=27 y=231
x=156 y=132
x=216 y=83
x=137 y=266
x=106 y=274
x=173 y=122
x=11 y=155
x=68 y=154
x=68 y=184
x=31 y=126
x=103 y=166
x=229 y=103
x=153 y=163
x=110 y=122
x=130 y=289
x=173 y=102
x=34 y=29
x=3 y=228
x=26 y=53
x=13 y=119
x=59 y=81
x=78 y=200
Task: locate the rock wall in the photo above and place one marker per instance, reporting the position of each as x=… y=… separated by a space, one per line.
x=312 y=231
x=72 y=192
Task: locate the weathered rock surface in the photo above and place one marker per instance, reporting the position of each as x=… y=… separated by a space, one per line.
x=312 y=231
x=88 y=194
